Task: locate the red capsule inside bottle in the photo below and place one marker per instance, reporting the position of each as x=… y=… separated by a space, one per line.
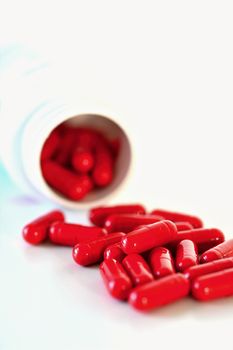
x=82 y=160
x=205 y=269
x=138 y=269
x=223 y=250
x=148 y=237
x=213 y=286
x=176 y=217
x=98 y=215
x=159 y=292
x=128 y=222
x=50 y=146
x=89 y=138
x=91 y=252
x=70 y=234
x=116 y=279
x=37 y=231
x=71 y=185
x=161 y=262
x=103 y=169
x=202 y=237
x=75 y=160
x=114 y=252
x=66 y=146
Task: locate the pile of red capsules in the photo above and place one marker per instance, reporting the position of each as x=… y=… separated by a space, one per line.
x=76 y=160
x=148 y=259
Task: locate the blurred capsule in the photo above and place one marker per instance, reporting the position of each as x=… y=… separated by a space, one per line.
x=91 y=252
x=205 y=269
x=176 y=217
x=70 y=234
x=213 y=286
x=159 y=292
x=128 y=222
x=98 y=215
x=223 y=250
x=37 y=231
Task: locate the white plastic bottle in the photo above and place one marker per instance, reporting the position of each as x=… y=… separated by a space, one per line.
x=32 y=104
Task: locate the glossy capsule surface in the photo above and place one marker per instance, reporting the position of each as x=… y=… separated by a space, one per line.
x=128 y=222
x=148 y=237
x=186 y=255
x=98 y=215
x=114 y=252
x=70 y=234
x=138 y=269
x=91 y=252
x=223 y=250
x=161 y=262
x=183 y=226
x=37 y=231
x=204 y=238
x=82 y=160
x=103 y=169
x=213 y=286
x=159 y=292
x=116 y=279
x=205 y=269
x=71 y=185
x=173 y=216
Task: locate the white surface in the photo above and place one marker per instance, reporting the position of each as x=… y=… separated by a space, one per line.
x=170 y=63
x=49 y=302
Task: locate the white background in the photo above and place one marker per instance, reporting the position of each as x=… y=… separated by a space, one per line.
x=171 y=64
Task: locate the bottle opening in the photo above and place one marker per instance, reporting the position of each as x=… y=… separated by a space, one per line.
x=108 y=137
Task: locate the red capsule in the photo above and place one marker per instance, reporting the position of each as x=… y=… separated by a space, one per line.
x=223 y=250
x=186 y=255
x=98 y=215
x=205 y=269
x=183 y=226
x=161 y=262
x=91 y=252
x=71 y=234
x=103 y=170
x=50 y=146
x=36 y=231
x=138 y=269
x=116 y=279
x=88 y=138
x=114 y=252
x=148 y=237
x=160 y=292
x=213 y=286
x=128 y=222
x=202 y=237
x=71 y=185
x=168 y=215
x=66 y=146
x=82 y=160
